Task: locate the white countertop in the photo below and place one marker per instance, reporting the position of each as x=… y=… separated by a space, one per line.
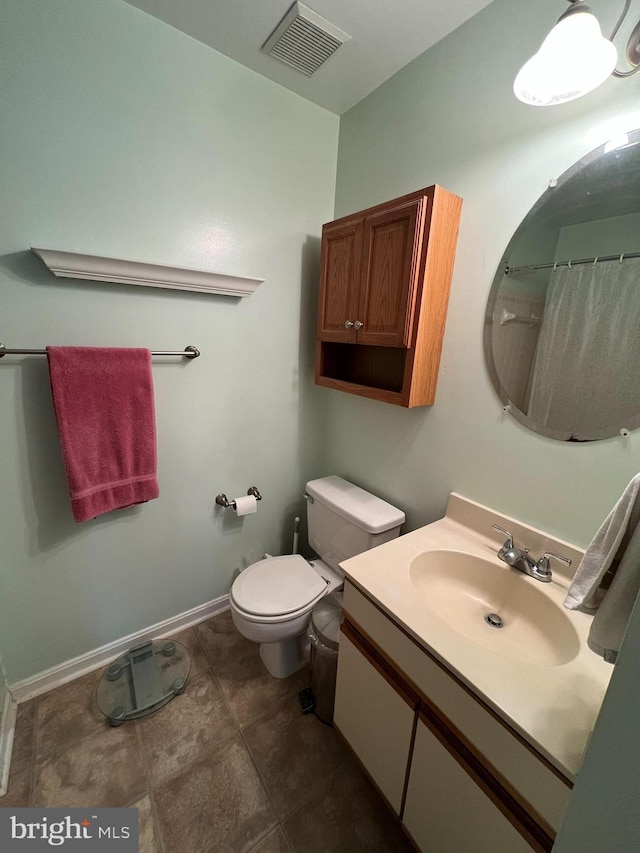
x=553 y=707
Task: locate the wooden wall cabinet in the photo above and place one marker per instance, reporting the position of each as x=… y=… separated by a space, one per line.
x=384 y=289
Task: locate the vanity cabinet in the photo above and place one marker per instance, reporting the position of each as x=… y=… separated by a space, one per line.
x=384 y=289
x=459 y=778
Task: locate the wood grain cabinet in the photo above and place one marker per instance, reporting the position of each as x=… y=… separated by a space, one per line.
x=446 y=810
x=384 y=289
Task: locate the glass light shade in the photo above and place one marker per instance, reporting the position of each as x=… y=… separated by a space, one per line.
x=574 y=59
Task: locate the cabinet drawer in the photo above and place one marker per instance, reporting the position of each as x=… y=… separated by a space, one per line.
x=530 y=775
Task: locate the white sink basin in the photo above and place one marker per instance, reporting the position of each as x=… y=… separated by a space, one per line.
x=462 y=589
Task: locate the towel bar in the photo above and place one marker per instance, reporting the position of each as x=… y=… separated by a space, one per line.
x=188 y=352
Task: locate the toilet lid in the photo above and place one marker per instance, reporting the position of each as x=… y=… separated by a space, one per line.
x=277 y=586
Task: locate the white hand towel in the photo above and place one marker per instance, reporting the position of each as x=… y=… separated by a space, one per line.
x=618 y=525
x=616 y=544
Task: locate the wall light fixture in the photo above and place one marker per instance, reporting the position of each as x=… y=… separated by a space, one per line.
x=574 y=59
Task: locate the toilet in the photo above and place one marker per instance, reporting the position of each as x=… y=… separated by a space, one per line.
x=271 y=600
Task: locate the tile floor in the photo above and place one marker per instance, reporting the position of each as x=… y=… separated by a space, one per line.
x=231 y=765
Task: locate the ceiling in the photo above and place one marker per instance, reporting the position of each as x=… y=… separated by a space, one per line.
x=385 y=36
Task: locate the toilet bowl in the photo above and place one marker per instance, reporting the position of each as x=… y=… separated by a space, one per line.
x=271 y=600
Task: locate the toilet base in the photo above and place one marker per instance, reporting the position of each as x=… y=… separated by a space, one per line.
x=285 y=657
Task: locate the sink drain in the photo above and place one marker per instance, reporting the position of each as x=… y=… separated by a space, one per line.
x=494 y=620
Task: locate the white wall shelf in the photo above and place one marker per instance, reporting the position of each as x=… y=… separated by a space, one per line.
x=97 y=268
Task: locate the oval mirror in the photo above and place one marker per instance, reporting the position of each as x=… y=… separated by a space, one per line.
x=562 y=326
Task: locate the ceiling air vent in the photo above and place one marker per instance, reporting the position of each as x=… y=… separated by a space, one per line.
x=304 y=40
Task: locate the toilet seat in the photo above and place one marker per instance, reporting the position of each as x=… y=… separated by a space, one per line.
x=277 y=588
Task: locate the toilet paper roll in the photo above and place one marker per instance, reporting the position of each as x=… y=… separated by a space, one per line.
x=245 y=505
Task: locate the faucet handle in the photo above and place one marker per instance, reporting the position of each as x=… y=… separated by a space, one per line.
x=508 y=545
x=562 y=559
x=543 y=563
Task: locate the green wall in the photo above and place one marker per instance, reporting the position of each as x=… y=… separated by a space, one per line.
x=123 y=137
x=603 y=815
x=126 y=138
x=450 y=117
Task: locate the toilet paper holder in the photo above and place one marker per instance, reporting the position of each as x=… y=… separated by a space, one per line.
x=223 y=500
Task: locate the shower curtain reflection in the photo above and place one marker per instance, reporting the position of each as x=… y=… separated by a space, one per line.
x=587 y=366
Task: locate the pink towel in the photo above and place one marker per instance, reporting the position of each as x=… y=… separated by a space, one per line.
x=103 y=399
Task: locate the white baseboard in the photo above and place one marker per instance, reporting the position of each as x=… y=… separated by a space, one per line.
x=7 y=729
x=22 y=691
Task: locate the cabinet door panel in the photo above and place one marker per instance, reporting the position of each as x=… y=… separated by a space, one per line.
x=446 y=811
x=339 y=281
x=390 y=276
x=375 y=721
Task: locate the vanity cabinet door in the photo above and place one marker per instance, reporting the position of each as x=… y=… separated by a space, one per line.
x=376 y=719
x=446 y=811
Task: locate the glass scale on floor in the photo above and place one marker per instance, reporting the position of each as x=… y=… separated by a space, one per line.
x=143 y=680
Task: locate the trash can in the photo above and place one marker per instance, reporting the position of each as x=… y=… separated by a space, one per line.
x=324 y=635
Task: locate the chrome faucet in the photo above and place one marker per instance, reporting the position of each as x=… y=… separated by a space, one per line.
x=518 y=558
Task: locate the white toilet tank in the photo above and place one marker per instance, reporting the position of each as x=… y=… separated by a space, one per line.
x=345 y=520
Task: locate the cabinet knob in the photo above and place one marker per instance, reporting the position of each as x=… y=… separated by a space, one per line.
x=358 y=325
x=348 y=324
